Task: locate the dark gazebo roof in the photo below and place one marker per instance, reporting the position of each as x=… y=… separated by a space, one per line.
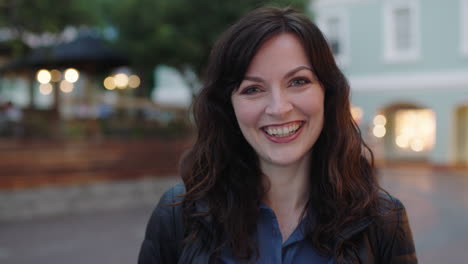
x=87 y=52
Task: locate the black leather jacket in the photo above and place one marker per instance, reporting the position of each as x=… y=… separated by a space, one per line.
x=383 y=240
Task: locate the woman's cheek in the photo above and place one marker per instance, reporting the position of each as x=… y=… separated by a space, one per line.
x=247 y=113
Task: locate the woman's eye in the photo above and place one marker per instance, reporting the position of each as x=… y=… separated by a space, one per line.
x=251 y=90
x=299 y=82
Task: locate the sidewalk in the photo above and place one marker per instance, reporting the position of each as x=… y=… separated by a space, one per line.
x=436 y=201
x=54 y=200
x=437 y=204
x=103 y=224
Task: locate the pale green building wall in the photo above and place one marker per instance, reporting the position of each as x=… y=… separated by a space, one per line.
x=440 y=52
x=440 y=39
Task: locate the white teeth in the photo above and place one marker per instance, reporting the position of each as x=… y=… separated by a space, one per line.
x=282 y=131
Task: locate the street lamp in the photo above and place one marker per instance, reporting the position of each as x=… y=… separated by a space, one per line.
x=71 y=75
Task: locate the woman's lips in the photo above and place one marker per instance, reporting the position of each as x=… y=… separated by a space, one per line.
x=283 y=133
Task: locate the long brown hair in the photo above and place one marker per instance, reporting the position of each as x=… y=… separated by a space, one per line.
x=222 y=170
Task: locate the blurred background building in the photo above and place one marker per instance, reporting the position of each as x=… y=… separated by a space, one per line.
x=407 y=63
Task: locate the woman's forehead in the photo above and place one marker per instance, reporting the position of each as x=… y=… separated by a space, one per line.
x=279 y=54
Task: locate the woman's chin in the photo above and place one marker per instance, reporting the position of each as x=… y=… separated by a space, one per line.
x=283 y=159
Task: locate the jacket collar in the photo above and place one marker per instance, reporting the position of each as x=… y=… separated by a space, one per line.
x=350 y=231
x=355 y=228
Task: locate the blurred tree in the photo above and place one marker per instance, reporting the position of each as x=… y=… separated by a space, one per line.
x=177 y=33
x=21 y=17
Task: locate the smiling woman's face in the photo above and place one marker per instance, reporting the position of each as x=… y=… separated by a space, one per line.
x=279 y=104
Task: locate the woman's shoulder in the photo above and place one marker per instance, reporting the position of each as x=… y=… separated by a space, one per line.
x=390 y=231
x=164 y=230
x=169 y=206
x=390 y=214
x=172 y=195
x=389 y=209
x=166 y=212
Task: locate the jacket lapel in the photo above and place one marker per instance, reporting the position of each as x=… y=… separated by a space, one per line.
x=349 y=232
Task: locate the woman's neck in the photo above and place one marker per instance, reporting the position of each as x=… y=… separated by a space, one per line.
x=287 y=186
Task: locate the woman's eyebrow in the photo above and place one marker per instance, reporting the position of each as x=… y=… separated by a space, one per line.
x=287 y=75
x=300 y=68
x=253 y=79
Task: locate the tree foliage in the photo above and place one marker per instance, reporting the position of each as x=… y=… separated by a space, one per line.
x=38 y=16
x=22 y=17
x=178 y=33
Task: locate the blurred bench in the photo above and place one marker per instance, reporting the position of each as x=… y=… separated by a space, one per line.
x=25 y=164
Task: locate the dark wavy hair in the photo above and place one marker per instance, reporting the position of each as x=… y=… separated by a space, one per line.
x=222 y=170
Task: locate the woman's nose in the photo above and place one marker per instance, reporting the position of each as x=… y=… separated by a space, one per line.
x=278 y=104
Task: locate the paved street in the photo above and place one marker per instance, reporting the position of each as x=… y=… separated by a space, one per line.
x=437 y=204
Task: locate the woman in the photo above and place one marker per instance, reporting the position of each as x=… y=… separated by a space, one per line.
x=278 y=172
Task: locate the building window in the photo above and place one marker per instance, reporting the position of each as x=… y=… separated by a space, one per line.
x=464 y=26
x=333 y=30
x=401 y=39
x=335 y=27
x=401 y=31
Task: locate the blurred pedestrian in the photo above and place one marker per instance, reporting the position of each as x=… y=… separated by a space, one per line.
x=3 y=118
x=13 y=113
x=11 y=119
x=279 y=172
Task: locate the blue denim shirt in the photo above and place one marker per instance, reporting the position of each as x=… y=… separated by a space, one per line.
x=271 y=248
